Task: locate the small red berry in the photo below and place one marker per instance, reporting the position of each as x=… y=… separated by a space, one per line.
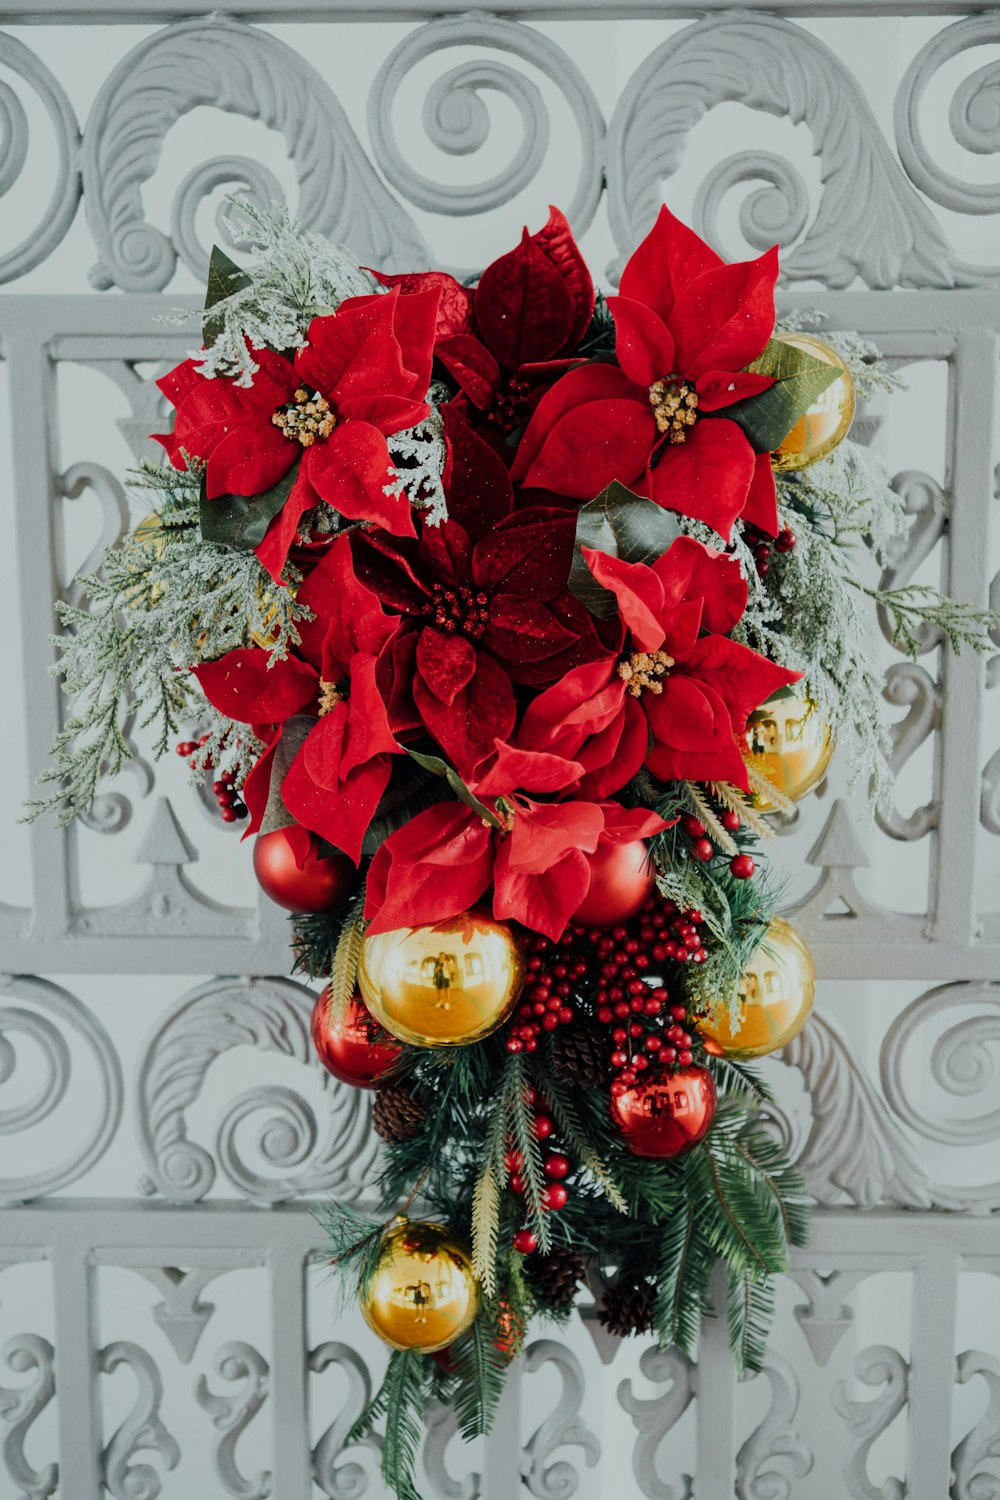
x=228 y=815
x=556 y=1165
x=543 y=1127
x=702 y=850
x=516 y=1182
x=742 y=866
x=692 y=827
x=525 y=1241
x=554 y=1196
x=685 y=1058
x=785 y=540
x=731 y=821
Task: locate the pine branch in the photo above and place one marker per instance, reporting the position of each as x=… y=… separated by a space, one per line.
x=485 y=1228
x=576 y=1139
x=404 y=1417
x=766 y=789
x=749 y=1313
x=706 y=816
x=918 y=604
x=344 y=968
x=731 y=797
x=481 y=1368
x=521 y=1116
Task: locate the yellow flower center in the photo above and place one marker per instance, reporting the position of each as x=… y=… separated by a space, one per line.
x=330 y=694
x=644 y=671
x=675 y=406
x=305 y=418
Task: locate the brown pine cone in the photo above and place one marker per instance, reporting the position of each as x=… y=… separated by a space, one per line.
x=580 y=1055
x=396 y=1115
x=554 y=1278
x=627 y=1308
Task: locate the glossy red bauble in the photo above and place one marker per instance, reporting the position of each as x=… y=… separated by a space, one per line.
x=621 y=879
x=350 y=1043
x=322 y=882
x=664 y=1117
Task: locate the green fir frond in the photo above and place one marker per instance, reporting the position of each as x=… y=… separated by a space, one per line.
x=485 y=1228
x=574 y=1136
x=917 y=604
x=405 y=1387
x=749 y=1313
x=481 y=1369
x=346 y=955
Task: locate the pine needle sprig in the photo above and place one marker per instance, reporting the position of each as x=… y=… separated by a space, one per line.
x=480 y=1366
x=346 y=955
x=574 y=1136
x=522 y=1121
x=405 y=1387
x=703 y=812
x=749 y=1314
x=736 y=801
x=486 y=1227
x=917 y=604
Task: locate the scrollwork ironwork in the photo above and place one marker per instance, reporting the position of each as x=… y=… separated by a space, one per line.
x=231 y=1415
x=143 y=1429
x=27 y=1354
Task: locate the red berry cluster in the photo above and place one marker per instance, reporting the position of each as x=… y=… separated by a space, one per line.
x=551 y=970
x=555 y=1165
x=231 y=804
x=761 y=545
x=702 y=849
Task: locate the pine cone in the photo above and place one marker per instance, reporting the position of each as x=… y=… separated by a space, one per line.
x=627 y=1308
x=554 y=1278
x=579 y=1055
x=396 y=1115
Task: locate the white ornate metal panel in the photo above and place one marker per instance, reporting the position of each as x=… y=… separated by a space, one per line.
x=163 y=1328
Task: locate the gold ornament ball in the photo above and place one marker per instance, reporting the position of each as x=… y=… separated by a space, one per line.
x=423 y=1294
x=777 y=991
x=790 y=744
x=443 y=985
x=827 y=422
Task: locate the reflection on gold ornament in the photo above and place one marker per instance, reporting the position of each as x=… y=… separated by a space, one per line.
x=827 y=422
x=444 y=985
x=790 y=744
x=423 y=1293
x=777 y=991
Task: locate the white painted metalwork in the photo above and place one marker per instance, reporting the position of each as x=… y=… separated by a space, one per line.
x=164 y=1328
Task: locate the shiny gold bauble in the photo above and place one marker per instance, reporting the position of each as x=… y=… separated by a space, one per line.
x=443 y=985
x=827 y=421
x=777 y=991
x=423 y=1294
x=790 y=743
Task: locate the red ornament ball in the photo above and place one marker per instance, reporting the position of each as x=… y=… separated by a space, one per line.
x=742 y=866
x=621 y=880
x=556 y=1166
x=525 y=1242
x=320 y=883
x=554 y=1196
x=350 y=1043
x=664 y=1117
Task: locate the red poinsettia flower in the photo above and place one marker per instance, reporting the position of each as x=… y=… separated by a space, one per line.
x=686 y=325
x=485 y=605
x=362 y=376
x=506 y=341
x=445 y=859
x=340 y=771
x=678 y=699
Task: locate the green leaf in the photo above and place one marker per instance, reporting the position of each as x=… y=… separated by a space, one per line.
x=622 y=525
x=241 y=520
x=799 y=381
x=439 y=767
x=224 y=278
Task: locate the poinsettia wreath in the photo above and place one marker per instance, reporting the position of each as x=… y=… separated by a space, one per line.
x=509 y=617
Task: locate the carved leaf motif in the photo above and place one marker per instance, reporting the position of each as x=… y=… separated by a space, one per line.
x=654 y=1419
x=43 y=237
x=271 y=1016
x=338 y=1479
x=231 y=1415
x=775 y=1438
x=981 y=1446
x=869 y=223
x=867 y=1420
x=562 y=1428
x=141 y=1430
x=222 y=63
x=20 y=1405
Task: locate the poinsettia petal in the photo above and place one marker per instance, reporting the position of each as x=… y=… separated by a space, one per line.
x=718 y=761
x=388 y=413
x=543 y=903
x=350 y=471
x=348 y=616
x=390 y=569
x=367 y=734
x=686 y=716
x=414 y=323
x=594 y=444
x=256 y=790
x=469 y=361
x=481 y=713
x=530 y=552
x=623 y=825
x=407 y=888
x=524 y=310
x=476 y=483
x=544 y=831
x=742 y=678
x=682 y=629
x=614 y=755
x=643 y=343
x=720 y=388
x=179 y=382
x=446 y=663
x=525 y=770
x=583 y=703
x=454 y=310
x=444 y=555
x=708 y=476
x=272 y=551
x=523 y=629
x=342 y=812
x=690 y=570
x=244 y=686
x=249 y=460
x=761 y=508
x=355 y=352
x=639 y=593
x=590 y=382
x=555 y=240
x=722 y=320
x=670 y=257
x=396 y=673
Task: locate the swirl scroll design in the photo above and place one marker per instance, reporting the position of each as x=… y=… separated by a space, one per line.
x=143 y=1429
x=272 y=1016
x=231 y=1415
x=961 y=1064
x=341 y=1480
x=869 y=222
x=562 y=1428
x=929 y=506
x=19 y=1406
x=61 y=208
x=867 y=1420
x=973 y=1480
x=973 y=121
x=654 y=1419
x=457 y=121
x=908 y=685
x=442 y=1425
x=854 y=1145
x=221 y=62
x=62 y=1014
x=775 y=1438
